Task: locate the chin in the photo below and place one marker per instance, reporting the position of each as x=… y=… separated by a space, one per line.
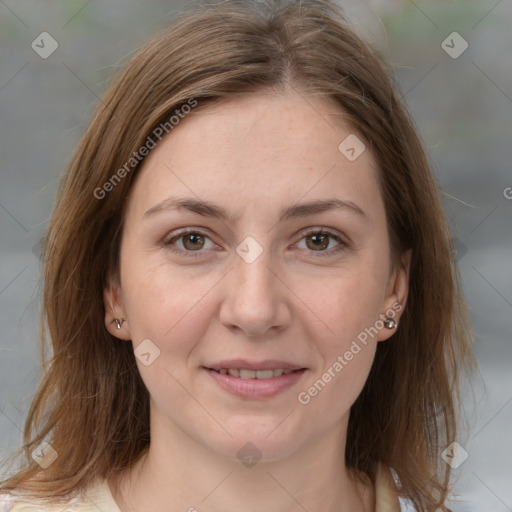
x=256 y=439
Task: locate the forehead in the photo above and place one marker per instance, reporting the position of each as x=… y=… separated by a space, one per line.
x=257 y=152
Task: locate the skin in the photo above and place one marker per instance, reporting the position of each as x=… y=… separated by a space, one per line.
x=253 y=156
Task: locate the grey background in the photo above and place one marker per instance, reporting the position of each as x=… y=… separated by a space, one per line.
x=463 y=110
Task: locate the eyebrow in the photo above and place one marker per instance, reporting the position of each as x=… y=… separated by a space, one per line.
x=208 y=209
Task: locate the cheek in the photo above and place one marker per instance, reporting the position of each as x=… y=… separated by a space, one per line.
x=333 y=392
x=349 y=304
x=349 y=300
x=346 y=360
x=169 y=309
x=161 y=300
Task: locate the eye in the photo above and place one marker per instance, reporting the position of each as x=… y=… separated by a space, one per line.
x=187 y=242
x=190 y=243
x=320 y=241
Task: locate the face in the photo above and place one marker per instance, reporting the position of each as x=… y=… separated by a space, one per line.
x=251 y=242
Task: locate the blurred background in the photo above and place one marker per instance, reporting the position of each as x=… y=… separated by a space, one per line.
x=453 y=61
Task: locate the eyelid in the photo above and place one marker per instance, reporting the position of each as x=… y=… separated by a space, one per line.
x=321 y=230
x=166 y=242
x=343 y=243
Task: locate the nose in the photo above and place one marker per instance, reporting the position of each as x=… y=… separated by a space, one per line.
x=255 y=300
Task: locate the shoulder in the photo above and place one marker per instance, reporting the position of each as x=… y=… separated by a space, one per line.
x=96 y=497
x=24 y=503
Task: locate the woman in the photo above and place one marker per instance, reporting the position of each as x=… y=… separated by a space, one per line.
x=249 y=286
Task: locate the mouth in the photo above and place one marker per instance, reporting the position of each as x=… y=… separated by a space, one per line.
x=243 y=373
x=255 y=384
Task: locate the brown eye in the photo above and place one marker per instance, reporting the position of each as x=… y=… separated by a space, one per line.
x=323 y=242
x=318 y=241
x=189 y=243
x=193 y=241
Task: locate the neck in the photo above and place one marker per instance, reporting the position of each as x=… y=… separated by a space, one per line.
x=180 y=473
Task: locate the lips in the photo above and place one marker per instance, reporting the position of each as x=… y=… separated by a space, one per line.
x=242 y=364
x=262 y=379
x=252 y=374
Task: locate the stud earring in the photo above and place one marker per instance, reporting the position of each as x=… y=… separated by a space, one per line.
x=390 y=323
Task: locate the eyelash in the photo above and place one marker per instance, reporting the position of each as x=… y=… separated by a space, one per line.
x=194 y=254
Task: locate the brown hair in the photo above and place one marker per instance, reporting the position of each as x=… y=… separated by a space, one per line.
x=92 y=405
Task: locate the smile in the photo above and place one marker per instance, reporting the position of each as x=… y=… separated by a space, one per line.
x=253 y=374
x=255 y=384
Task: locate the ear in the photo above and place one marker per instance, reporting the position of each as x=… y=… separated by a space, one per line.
x=114 y=309
x=396 y=296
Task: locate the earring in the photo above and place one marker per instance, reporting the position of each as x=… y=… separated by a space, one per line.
x=390 y=323
x=119 y=322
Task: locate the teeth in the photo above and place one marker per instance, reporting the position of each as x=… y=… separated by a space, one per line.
x=252 y=374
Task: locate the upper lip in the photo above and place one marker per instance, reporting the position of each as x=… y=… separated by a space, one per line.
x=269 y=364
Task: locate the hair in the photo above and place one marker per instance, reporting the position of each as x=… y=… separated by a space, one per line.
x=92 y=405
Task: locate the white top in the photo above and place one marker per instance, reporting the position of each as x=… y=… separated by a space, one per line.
x=99 y=497
x=96 y=497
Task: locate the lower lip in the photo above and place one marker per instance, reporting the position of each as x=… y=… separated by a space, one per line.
x=255 y=388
